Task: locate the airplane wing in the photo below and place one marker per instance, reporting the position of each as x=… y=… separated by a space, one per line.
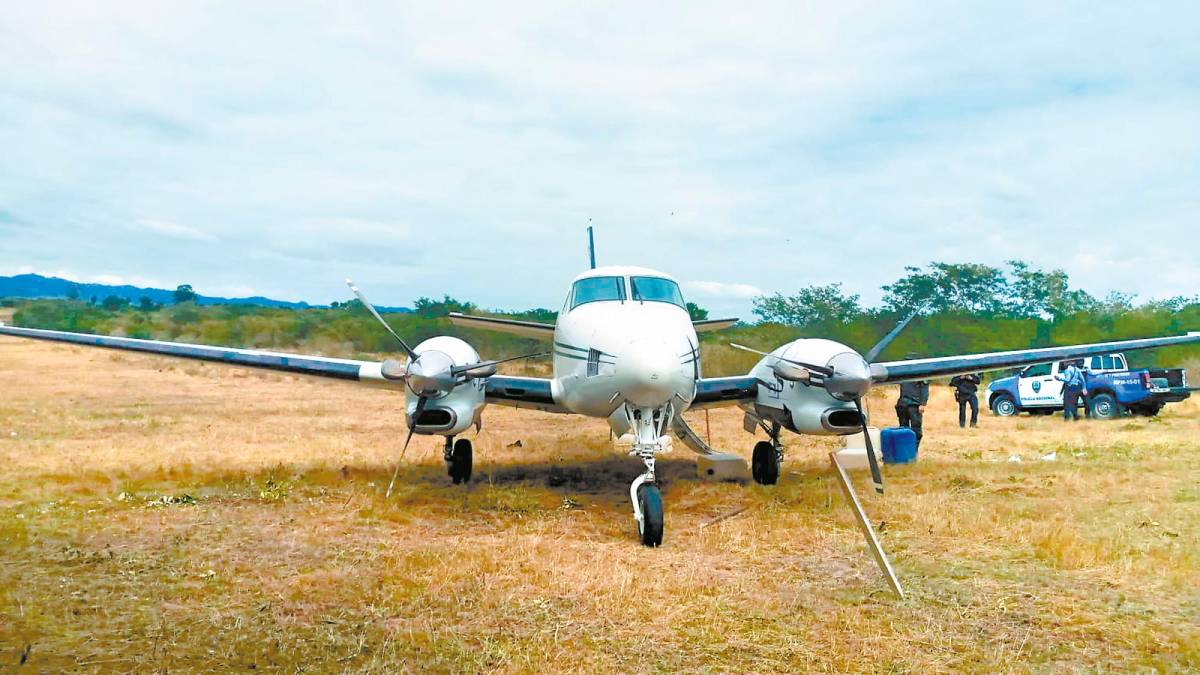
x=343 y=369
x=717 y=391
x=890 y=372
x=705 y=325
x=531 y=329
x=521 y=392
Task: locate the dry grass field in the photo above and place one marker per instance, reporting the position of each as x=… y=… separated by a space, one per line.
x=166 y=515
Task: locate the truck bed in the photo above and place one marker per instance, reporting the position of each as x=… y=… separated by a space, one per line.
x=1168 y=377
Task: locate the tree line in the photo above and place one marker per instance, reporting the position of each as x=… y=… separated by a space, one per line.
x=963 y=308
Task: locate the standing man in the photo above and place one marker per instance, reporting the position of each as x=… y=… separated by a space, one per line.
x=910 y=407
x=966 y=388
x=1073 y=386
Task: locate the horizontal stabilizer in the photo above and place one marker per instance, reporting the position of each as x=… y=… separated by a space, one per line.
x=706 y=325
x=531 y=329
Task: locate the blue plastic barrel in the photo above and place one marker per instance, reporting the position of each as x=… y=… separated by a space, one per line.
x=899 y=445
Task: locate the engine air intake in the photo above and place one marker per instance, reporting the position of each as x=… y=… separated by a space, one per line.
x=435 y=417
x=841 y=420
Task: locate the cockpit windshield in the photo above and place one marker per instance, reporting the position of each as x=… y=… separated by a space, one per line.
x=656 y=289
x=597 y=289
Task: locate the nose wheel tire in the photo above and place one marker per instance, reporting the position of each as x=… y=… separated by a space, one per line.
x=764 y=466
x=650 y=527
x=458 y=465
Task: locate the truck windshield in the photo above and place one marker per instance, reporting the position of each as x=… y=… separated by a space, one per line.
x=597 y=289
x=656 y=289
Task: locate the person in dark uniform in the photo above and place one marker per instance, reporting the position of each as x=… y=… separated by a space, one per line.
x=910 y=407
x=966 y=388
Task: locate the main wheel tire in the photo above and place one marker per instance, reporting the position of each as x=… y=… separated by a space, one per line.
x=651 y=528
x=461 y=459
x=1004 y=406
x=764 y=466
x=1105 y=407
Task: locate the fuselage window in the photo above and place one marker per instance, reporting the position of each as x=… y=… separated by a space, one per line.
x=656 y=289
x=597 y=289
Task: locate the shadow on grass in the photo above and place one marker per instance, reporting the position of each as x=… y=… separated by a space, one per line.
x=603 y=477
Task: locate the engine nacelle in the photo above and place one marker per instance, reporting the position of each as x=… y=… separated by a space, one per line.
x=799 y=406
x=456 y=411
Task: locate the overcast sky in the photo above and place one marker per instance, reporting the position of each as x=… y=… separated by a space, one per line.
x=461 y=149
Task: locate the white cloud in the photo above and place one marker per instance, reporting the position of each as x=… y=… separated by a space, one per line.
x=121 y=280
x=175 y=230
x=717 y=289
x=440 y=148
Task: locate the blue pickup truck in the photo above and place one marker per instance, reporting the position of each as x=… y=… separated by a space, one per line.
x=1114 y=389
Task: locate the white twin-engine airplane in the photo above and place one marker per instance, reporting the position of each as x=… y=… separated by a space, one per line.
x=626 y=350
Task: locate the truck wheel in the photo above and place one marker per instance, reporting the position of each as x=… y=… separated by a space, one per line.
x=1105 y=407
x=1004 y=406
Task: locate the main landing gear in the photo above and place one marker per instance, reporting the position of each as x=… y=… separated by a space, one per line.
x=768 y=455
x=459 y=458
x=648 y=425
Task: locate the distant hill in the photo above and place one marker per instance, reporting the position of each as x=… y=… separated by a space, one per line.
x=38 y=286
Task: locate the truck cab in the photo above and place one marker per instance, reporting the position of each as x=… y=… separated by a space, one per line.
x=1113 y=388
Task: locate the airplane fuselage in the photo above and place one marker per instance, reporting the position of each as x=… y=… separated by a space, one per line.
x=630 y=349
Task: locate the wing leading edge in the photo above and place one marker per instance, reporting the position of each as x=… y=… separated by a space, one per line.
x=890 y=372
x=520 y=392
x=342 y=369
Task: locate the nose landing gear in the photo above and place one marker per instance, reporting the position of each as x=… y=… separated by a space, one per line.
x=648 y=511
x=648 y=426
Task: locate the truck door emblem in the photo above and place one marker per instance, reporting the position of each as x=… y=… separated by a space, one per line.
x=1037 y=386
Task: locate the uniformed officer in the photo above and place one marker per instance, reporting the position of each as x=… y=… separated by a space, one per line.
x=966 y=388
x=1074 y=388
x=910 y=407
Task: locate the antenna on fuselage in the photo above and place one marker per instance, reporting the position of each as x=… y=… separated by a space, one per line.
x=591 y=246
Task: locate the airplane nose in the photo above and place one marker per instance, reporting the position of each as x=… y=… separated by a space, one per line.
x=645 y=373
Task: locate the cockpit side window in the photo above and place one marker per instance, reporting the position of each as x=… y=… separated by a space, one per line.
x=597 y=289
x=656 y=289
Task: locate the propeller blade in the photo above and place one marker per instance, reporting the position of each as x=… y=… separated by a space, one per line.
x=876 y=476
x=411 y=428
x=887 y=339
x=371 y=308
x=458 y=370
x=820 y=370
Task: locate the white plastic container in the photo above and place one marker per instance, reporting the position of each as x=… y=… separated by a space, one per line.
x=853 y=455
